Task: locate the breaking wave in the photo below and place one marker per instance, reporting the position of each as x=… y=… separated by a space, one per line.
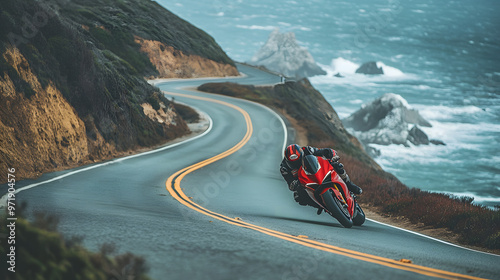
x=343 y=71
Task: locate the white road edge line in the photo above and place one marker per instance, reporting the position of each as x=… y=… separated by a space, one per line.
x=432 y=238
x=3 y=200
x=285 y=130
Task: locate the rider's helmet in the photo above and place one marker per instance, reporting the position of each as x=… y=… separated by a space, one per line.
x=310 y=164
x=293 y=156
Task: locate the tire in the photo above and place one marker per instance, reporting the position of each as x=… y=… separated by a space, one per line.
x=359 y=216
x=337 y=209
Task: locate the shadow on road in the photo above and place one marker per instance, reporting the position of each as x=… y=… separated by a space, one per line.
x=302 y=221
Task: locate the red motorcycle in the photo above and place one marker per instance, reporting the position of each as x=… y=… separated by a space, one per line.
x=329 y=191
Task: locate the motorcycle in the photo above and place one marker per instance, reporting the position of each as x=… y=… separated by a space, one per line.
x=329 y=191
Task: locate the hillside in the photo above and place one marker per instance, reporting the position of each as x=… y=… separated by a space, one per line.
x=316 y=123
x=72 y=79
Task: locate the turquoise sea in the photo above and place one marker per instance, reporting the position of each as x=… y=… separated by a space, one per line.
x=443 y=57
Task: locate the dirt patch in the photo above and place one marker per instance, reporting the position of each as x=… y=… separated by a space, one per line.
x=172 y=63
x=164 y=115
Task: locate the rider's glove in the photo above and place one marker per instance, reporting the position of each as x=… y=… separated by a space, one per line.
x=335 y=157
x=294 y=185
x=339 y=167
x=283 y=170
x=331 y=154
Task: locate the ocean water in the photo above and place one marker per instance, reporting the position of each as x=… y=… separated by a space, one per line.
x=443 y=57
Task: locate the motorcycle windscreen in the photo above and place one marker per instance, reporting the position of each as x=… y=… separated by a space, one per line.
x=310 y=164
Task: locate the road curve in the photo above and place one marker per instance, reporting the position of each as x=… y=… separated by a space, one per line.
x=247 y=225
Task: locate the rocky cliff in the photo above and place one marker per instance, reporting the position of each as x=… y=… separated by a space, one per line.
x=172 y=63
x=72 y=79
x=40 y=130
x=282 y=53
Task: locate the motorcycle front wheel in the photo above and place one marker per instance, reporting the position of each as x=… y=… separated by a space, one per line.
x=337 y=209
x=359 y=215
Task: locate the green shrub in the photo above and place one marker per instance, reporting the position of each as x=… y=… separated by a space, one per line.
x=187 y=113
x=43 y=253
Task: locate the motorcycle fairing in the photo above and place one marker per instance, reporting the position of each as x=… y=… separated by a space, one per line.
x=323 y=180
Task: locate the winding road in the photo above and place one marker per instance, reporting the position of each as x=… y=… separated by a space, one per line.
x=216 y=207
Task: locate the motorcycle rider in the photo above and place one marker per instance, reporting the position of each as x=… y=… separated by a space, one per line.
x=292 y=161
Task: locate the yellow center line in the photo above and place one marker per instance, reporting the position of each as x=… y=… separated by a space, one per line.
x=174 y=188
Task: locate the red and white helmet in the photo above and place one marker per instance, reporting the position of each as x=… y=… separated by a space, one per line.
x=293 y=156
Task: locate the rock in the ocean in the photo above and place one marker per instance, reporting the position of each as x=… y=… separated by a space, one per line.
x=437 y=142
x=417 y=136
x=282 y=53
x=370 y=68
x=386 y=121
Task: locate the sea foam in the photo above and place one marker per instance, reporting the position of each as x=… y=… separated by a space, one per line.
x=390 y=71
x=443 y=113
x=256 y=27
x=347 y=69
x=342 y=65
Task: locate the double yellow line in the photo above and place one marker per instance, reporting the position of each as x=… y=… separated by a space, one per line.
x=174 y=188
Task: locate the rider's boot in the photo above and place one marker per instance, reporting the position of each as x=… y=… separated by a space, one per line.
x=350 y=185
x=300 y=198
x=353 y=188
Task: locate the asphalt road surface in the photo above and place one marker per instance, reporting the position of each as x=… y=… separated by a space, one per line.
x=216 y=207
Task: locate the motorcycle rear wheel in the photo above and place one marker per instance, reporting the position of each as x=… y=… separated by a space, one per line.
x=337 y=209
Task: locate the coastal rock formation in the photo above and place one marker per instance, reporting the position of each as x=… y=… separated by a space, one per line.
x=282 y=53
x=386 y=121
x=370 y=68
x=379 y=68
x=417 y=136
